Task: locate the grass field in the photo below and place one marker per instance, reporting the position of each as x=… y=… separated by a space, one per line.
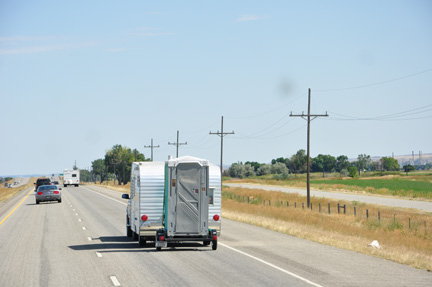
x=412 y=186
x=405 y=236
x=6 y=193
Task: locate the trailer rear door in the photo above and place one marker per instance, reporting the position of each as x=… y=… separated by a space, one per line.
x=191 y=188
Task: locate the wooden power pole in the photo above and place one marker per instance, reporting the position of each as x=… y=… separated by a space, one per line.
x=308 y=118
x=222 y=134
x=151 y=146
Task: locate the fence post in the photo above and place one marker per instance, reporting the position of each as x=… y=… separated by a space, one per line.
x=295 y=204
x=311 y=205
x=338 y=209
x=329 y=208
x=287 y=203
x=367 y=214
x=344 y=208
x=319 y=207
x=248 y=199
x=379 y=216
x=269 y=202
x=355 y=212
x=409 y=222
x=303 y=205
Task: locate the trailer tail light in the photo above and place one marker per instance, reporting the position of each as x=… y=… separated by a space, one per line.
x=214 y=237
x=144 y=217
x=161 y=238
x=40 y=193
x=56 y=192
x=216 y=217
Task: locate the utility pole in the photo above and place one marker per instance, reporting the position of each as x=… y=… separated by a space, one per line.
x=177 y=143
x=308 y=119
x=152 y=146
x=114 y=163
x=222 y=134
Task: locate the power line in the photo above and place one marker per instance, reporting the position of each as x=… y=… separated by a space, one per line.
x=373 y=84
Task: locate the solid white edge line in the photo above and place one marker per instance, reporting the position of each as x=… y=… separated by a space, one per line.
x=105 y=196
x=273 y=266
x=115 y=281
x=236 y=250
x=99 y=254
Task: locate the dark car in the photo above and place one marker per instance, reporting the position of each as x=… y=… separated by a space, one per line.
x=42 y=181
x=55 y=182
x=48 y=193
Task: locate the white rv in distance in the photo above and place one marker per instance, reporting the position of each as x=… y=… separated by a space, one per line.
x=71 y=177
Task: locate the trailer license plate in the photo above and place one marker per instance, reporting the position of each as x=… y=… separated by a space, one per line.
x=161 y=244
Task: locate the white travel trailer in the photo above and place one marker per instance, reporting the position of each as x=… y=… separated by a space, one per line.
x=71 y=177
x=145 y=214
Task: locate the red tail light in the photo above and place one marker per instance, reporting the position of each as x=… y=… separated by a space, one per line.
x=40 y=193
x=56 y=192
x=161 y=238
x=216 y=217
x=144 y=217
x=214 y=237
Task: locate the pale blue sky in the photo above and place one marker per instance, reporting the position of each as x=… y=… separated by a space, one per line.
x=78 y=77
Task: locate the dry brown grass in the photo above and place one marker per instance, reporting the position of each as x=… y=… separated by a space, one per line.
x=411 y=246
x=7 y=193
x=110 y=185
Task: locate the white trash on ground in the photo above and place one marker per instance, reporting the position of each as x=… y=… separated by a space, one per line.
x=374 y=244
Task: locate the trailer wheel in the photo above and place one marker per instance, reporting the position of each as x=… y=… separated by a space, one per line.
x=128 y=228
x=142 y=241
x=158 y=248
x=206 y=243
x=135 y=236
x=214 y=244
x=37 y=201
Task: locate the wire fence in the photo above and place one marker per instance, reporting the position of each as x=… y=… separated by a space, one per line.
x=376 y=218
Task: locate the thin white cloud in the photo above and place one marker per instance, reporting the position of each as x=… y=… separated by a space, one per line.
x=248 y=18
x=150 y=32
x=16 y=39
x=42 y=49
x=117 y=50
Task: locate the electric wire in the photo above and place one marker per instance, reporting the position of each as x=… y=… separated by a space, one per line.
x=372 y=84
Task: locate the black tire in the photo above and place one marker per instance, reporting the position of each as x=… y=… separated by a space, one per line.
x=206 y=243
x=142 y=241
x=214 y=244
x=128 y=228
x=64 y=185
x=37 y=201
x=135 y=236
x=59 y=201
x=158 y=248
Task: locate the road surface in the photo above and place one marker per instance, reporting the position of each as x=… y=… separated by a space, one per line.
x=394 y=202
x=82 y=242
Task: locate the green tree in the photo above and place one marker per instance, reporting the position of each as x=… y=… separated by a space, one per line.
x=342 y=164
x=279 y=168
x=264 y=169
x=119 y=161
x=324 y=163
x=408 y=168
x=297 y=163
x=352 y=171
x=100 y=169
x=363 y=162
x=255 y=165
x=390 y=164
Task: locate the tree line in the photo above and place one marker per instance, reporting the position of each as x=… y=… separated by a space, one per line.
x=116 y=165
x=297 y=164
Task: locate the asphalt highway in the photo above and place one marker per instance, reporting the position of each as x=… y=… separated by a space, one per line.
x=82 y=242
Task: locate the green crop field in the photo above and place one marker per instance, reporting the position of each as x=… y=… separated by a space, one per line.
x=400 y=187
